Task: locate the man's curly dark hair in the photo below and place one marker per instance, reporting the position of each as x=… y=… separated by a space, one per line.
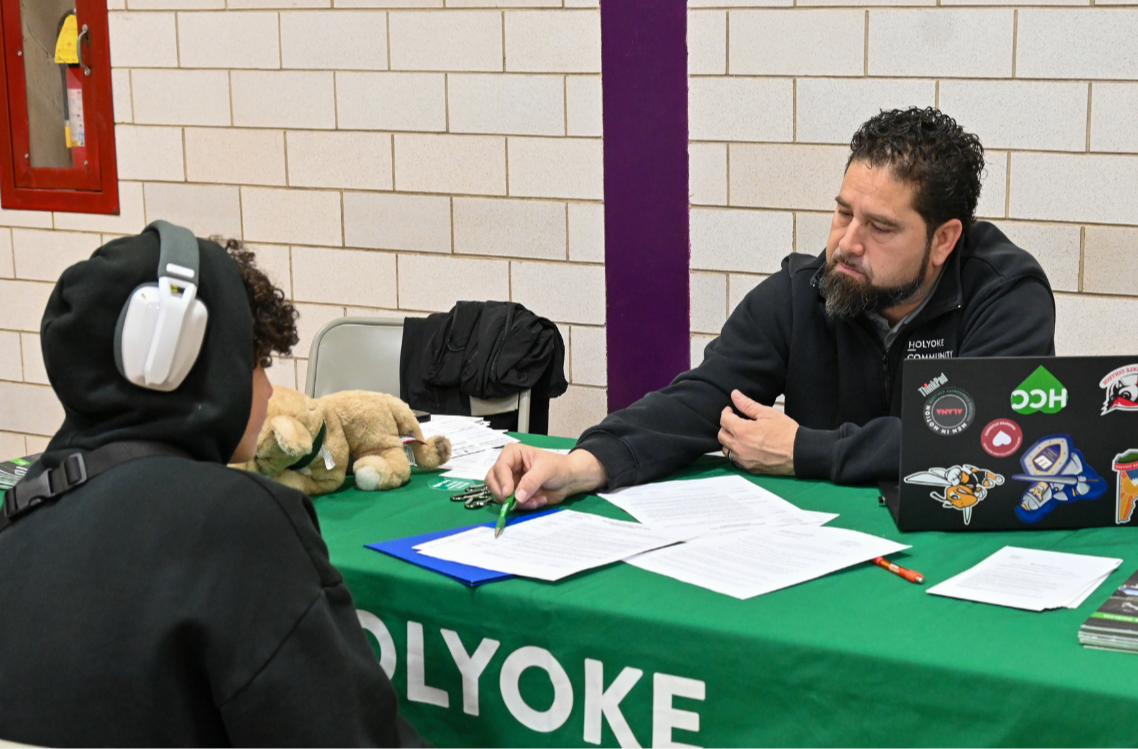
x=926 y=148
x=274 y=317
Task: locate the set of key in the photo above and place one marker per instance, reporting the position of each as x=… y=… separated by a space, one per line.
x=474 y=498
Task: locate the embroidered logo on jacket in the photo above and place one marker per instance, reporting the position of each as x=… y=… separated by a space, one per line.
x=927 y=348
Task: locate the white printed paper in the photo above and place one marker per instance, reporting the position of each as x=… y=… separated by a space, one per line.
x=714 y=505
x=467 y=434
x=475 y=466
x=1030 y=579
x=755 y=561
x=551 y=547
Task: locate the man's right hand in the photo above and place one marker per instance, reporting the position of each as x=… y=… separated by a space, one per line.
x=538 y=477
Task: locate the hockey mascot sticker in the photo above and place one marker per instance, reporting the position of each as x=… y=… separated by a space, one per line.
x=1121 y=388
x=1056 y=472
x=965 y=486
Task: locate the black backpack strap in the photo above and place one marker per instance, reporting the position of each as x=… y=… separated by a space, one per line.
x=76 y=470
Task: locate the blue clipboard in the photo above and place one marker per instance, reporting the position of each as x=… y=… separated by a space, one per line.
x=404 y=548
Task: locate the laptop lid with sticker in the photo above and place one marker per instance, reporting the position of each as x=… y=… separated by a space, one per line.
x=1027 y=443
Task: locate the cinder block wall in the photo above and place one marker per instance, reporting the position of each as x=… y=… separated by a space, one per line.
x=778 y=88
x=382 y=157
x=396 y=156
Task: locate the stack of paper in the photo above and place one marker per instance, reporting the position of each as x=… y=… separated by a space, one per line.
x=1115 y=625
x=750 y=541
x=1030 y=579
x=551 y=547
x=467 y=434
x=752 y=562
x=747 y=540
x=407 y=549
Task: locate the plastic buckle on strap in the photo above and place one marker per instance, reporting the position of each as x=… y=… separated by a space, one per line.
x=71 y=473
x=9 y=505
x=26 y=494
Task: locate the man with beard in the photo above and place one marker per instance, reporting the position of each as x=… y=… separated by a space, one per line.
x=907 y=273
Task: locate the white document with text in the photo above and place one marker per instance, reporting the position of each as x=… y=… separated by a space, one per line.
x=476 y=465
x=713 y=505
x=1030 y=579
x=551 y=547
x=751 y=562
x=467 y=434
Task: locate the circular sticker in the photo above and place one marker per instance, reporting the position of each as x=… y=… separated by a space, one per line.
x=452 y=485
x=949 y=411
x=1001 y=438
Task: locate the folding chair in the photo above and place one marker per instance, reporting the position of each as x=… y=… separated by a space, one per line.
x=362 y=353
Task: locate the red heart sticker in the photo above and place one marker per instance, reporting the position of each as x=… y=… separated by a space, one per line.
x=1001 y=438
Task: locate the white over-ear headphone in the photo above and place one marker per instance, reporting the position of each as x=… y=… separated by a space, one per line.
x=161 y=327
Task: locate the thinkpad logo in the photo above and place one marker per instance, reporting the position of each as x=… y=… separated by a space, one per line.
x=933 y=384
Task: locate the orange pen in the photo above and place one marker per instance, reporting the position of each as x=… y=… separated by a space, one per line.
x=910 y=575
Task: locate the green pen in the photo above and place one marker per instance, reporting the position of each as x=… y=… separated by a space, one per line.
x=506 y=507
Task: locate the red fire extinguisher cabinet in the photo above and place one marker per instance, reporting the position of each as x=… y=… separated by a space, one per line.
x=57 y=149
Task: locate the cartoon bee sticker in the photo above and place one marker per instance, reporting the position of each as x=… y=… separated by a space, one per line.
x=964 y=486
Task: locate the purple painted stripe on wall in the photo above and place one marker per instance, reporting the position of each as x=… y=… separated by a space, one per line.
x=644 y=70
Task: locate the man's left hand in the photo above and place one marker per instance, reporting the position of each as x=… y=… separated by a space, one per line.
x=762 y=441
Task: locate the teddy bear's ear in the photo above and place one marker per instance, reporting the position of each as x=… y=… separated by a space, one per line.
x=291 y=435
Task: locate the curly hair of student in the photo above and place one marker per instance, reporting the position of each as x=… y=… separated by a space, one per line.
x=274 y=317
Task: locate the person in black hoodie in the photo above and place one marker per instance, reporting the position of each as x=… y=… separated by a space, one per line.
x=171 y=600
x=907 y=272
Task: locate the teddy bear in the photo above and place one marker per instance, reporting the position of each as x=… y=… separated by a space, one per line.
x=308 y=443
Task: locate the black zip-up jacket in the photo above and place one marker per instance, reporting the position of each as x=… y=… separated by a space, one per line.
x=841 y=385
x=486 y=350
x=172 y=601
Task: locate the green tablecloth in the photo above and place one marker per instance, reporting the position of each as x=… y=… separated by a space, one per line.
x=860 y=657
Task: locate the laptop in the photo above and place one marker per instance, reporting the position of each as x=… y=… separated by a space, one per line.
x=1011 y=443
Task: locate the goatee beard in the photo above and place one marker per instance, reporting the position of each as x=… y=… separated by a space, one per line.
x=847 y=297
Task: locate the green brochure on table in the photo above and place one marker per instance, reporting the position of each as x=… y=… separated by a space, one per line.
x=1115 y=625
x=11 y=471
